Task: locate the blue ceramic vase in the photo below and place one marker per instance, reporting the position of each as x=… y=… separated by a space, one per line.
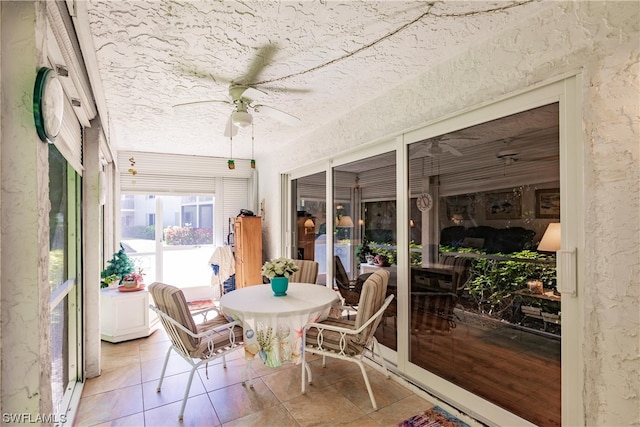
x=279 y=286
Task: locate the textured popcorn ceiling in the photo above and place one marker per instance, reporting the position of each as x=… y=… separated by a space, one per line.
x=330 y=57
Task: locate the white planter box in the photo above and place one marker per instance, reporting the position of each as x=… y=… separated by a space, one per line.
x=125 y=315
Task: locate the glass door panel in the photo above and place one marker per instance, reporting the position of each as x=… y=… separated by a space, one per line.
x=310 y=228
x=365 y=232
x=484 y=313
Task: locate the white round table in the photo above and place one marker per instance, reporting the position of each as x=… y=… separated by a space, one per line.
x=273 y=325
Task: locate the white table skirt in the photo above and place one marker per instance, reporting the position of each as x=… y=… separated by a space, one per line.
x=273 y=325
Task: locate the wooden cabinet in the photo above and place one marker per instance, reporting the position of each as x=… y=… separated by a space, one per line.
x=125 y=315
x=248 y=250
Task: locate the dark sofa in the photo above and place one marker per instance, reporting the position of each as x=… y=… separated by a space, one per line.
x=490 y=239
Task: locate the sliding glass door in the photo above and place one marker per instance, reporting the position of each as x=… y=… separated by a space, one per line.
x=484 y=308
x=365 y=232
x=487 y=198
x=64 y=273
x=310 y=222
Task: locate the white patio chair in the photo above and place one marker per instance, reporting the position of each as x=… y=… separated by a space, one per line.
x=197 y=344
x=349 y=340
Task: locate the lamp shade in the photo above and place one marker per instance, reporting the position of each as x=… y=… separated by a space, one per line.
x=551 y=239
x=345 y=221
x=241 y=118
x=309 y=223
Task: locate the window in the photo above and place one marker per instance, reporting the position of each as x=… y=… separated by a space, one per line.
x=187 y=238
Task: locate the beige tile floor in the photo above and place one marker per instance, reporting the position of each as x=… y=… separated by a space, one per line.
x=125 y=394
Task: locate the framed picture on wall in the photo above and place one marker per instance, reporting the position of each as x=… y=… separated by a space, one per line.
x=505 y=205
x=548 y=203
x=460 y=208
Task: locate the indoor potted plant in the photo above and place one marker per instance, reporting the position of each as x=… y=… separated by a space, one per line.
x=119 y=265
x=278 y=271
x=112 y=281
x=133 y=280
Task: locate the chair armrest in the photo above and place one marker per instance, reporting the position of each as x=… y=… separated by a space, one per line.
x=343 y=343
x=204 y=312
x=378 y=313
x=210 y=331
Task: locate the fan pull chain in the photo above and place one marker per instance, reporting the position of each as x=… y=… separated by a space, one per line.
x=253 y=162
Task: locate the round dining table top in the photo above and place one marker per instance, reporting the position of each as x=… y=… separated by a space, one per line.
x=259 y=300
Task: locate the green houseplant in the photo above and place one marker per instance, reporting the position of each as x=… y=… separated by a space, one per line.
x=119 y=265
x=493 y=283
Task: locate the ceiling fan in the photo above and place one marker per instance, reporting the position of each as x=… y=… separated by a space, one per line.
x=510 y=155
x=435 y=148
x=243 y=94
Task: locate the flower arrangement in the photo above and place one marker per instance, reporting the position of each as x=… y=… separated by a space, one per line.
x=279 y=267
x=133 y=277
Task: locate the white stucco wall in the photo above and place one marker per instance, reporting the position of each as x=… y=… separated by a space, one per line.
x=26 y=360
x=600 y=40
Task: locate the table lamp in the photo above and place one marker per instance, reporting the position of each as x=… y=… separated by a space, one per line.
x=345 y=221
x=551 y=239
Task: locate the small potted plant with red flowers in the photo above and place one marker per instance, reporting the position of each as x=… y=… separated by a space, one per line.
x=132 y=280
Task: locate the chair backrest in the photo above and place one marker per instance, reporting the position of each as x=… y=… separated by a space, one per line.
x=342 y=279
x=171 y=301
x=372 y=299
x=307 y=271
x=461 y=267
x=433 y=311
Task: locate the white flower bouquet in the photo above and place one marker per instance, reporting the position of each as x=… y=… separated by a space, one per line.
x=279 y=267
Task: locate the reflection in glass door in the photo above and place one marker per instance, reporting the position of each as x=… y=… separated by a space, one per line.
x=365 y=232
x=310 y=228
x=484 y=311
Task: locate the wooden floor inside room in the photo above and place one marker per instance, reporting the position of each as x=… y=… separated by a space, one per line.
x=516 y=369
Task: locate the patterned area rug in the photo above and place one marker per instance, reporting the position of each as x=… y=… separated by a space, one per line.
x=200 y=304
x=434 y=417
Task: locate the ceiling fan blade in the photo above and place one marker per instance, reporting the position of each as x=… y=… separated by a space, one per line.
x=553 y=157
x=262 y=59
x=450 y=149
x=251 y=93
x=274 y=113
x=203 y=75
x=230 y=129
x=424 y=150
x=201 y=102
x=280 y=89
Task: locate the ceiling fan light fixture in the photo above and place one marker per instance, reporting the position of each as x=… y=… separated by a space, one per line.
x=241 y=119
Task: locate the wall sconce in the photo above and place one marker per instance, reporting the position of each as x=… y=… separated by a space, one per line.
x=551 y=239
x=411 y=223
